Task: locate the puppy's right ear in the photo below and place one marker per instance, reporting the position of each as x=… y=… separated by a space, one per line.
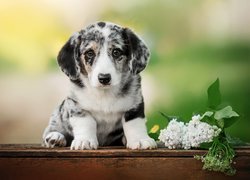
x=138 y=50
x=68 y=57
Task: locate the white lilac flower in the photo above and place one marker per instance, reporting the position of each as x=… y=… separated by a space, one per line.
x=198 y=132
x=188 y=135
x=172 y=135
x=196 y=118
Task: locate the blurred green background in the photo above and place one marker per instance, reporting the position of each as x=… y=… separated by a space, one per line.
x=192 y=43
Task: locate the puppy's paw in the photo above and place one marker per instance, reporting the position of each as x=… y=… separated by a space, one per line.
x=80 y=144
x=145 y=143
x=54 y=139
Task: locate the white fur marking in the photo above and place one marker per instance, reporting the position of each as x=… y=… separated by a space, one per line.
x=104 y=66
x=84 y=130
x=101 y=100
x=54 y=138
x=136 y=134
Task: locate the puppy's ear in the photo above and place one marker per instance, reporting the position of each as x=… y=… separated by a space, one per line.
x=139 y=52
x=68 y=57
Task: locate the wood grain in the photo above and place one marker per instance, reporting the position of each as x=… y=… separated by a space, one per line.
x=35 y=162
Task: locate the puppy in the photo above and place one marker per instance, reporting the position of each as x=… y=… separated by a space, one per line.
x=105 y=106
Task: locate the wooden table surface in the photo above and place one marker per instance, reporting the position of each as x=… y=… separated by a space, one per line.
x=24 y=161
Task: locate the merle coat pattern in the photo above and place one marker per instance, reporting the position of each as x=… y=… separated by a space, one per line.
x=105 y=105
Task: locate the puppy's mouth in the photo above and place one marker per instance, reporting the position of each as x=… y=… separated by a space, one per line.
x=107 y=86
x=104 y=86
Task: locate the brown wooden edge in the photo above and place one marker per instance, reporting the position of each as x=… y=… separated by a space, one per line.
x=35 y=150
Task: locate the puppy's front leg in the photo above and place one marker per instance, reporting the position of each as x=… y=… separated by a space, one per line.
x=136 y=134
x=84 y=131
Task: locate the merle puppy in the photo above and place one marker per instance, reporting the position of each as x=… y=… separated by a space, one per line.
x=105 y=106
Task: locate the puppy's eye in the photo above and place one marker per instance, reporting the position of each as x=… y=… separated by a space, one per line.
x=89 y=54
x=116 y=53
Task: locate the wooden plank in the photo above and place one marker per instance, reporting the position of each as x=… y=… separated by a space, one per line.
x=21 y=150
x=38 y=151
x=35 y=162
x=112 y=168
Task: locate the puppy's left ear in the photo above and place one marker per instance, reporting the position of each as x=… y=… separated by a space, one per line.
x=139 y=52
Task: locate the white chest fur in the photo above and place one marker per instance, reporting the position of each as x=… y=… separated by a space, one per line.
x=106 y=108
x=104 y=101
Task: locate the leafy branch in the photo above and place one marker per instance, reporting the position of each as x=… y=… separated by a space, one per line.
x=220 y=151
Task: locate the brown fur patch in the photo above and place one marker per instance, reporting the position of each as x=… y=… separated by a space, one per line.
x=86 y=67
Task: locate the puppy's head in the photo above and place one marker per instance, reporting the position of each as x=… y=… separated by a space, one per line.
x=103 y=53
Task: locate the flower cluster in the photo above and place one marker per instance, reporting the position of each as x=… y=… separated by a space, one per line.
x=172 y=135
x=219 y=157
x=192 y=134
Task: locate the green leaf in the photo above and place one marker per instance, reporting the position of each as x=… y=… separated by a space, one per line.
x=221 y=123
x=224 y=113
x=214 y=95
x=228 y=115
x=154 y=136
x=234 y=141
x=166 y=116
x=207 y=114
x=230 y=121
x=207 y=117
x=169 y=118
x=205 y=145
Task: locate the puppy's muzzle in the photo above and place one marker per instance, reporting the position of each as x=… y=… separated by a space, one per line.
x=104 y=78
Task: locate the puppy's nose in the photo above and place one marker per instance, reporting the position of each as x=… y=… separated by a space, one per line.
x=104 y=78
